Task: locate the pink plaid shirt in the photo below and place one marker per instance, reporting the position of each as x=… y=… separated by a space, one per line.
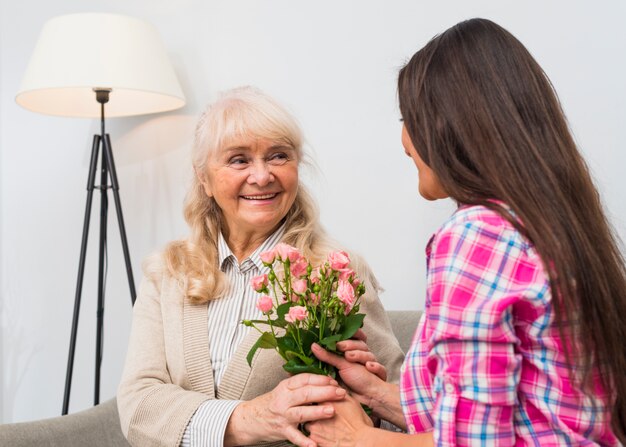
x=486 y=366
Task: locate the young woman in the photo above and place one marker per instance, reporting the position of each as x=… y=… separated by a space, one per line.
x=522 y=342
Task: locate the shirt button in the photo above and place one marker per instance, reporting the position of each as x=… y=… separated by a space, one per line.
x=411 y=428
x=449 y=388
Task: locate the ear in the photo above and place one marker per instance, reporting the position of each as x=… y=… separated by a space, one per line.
x=204 y=181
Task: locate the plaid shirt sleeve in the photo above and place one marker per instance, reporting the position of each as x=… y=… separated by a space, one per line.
x=468 y=339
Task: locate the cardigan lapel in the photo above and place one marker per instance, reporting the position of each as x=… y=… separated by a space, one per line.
x=196 y=347
x=237 y=372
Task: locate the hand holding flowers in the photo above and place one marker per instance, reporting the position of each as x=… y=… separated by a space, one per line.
x=277 y=414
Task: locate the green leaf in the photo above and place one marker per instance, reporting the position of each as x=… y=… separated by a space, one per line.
x=286 y=343
x=295 y=368
x=327 y=332
x=331 y=342
x=307 y=338
x=292 y=355
x=265 y=341
x=283 y=310
x=279 y=322
x=351 y=325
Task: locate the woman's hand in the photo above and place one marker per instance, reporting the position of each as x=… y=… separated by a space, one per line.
x=351 y=427
x=357 y=351
x=358 y=369
x=346 y=429
x=365 y=377
x=275 y=415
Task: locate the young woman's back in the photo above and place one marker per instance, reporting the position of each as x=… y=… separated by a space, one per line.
x=484 y=117
x=491 y=346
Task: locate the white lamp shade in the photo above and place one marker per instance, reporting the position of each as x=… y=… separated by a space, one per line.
x=79 y=52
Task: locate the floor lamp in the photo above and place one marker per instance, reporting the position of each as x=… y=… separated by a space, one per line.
x=82 y=64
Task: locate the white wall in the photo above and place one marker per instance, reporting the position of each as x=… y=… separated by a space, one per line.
x=334 y=64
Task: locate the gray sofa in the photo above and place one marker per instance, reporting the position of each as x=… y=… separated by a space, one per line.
x=99 y=426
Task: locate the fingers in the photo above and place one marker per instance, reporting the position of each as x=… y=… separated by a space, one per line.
x=298 y=438
x=310 y=413
x=361 y=357
x=309 y=395
x=299 y=391
x=344 y=428
x=377 y=369
x=351 y=356
x=325 y=356
x=300 y=380
x=352 y=345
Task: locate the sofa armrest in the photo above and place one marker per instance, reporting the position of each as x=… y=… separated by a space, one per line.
x=98 y=426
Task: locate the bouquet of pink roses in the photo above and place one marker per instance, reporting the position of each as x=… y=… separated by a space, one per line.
x=305 y=304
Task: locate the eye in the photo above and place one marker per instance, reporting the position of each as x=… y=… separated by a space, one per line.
x=238 y=162
x=278 y=158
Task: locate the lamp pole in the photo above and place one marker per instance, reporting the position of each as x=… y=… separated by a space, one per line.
x=107 y=169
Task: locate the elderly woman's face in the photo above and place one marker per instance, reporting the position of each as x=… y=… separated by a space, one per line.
x=254 y=181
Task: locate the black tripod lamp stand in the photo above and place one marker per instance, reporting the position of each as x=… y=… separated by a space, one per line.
x=107 y=169
x=81 y=63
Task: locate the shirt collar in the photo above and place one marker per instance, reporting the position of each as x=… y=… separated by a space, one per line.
x=226 y=255
x=502 y=204
x=429 y=245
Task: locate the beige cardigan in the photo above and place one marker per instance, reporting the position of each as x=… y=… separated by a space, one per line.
x=168 y=371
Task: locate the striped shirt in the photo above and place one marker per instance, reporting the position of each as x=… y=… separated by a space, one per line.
x=486 y=366
x=208 y=424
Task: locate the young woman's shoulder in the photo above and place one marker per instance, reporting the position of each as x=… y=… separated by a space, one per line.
x=480 y=213
x=480 y=223
x=482 y=256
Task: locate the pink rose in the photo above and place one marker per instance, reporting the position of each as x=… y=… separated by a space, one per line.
x=345 y=274
x=265 y=304
x=259 y=283
x=299 y=267
x=345 y=292
x=296 y=313
x=268 y=257
x=299 y=286
x=285 y=251
x=315 y=276
x=338 y=260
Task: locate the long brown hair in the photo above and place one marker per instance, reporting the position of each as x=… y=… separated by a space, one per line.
x=485 y=118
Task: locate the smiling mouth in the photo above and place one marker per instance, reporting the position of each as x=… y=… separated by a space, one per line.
x=260 y=196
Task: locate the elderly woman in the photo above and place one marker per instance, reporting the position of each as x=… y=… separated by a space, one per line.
x=186 y=379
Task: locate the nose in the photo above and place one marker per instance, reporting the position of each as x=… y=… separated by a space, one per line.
x=260 y=173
